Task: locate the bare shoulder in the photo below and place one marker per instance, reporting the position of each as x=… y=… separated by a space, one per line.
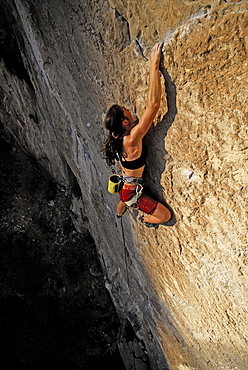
x=141 y=129
x=132 y=146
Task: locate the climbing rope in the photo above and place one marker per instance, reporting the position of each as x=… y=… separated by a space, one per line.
x=124 y=245
x=125 y=256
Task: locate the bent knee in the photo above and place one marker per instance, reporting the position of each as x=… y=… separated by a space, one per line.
x=166 y=215
x=163 y=213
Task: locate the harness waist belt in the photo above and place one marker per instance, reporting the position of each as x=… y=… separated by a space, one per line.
x=132 y=180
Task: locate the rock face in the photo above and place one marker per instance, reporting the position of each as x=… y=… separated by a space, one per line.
x=55 y=311
x=182 y=287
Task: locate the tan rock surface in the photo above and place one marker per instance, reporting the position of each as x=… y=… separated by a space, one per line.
x=183 y=287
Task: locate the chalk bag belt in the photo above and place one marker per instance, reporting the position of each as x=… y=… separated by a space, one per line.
x=135 y=198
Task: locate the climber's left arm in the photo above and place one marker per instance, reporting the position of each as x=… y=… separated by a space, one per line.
x=154 y=96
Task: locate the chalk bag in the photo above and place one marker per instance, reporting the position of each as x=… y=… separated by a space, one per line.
x=114 y=184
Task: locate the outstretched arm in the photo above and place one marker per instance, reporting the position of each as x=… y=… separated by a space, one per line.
x=154 y=94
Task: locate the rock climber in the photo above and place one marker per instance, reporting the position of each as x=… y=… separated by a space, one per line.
x=125 y=144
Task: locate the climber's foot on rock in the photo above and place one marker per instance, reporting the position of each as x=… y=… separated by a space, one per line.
x=147 y=224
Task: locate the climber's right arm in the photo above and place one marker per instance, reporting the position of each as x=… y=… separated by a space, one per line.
x=154 y=95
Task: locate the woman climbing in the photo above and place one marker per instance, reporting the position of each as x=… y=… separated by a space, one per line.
x=125 y=144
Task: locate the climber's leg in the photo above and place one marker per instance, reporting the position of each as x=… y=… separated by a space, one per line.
x=159 y=216
x=121 y=208
x=155 y=212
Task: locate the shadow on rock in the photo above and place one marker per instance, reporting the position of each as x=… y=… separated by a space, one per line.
x=155 y=142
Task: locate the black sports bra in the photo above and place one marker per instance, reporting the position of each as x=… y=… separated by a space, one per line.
x=136 y=163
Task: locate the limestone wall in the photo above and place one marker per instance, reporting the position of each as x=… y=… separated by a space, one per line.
x=184 y=286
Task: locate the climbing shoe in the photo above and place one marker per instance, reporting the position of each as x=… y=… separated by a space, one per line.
x=147 y=224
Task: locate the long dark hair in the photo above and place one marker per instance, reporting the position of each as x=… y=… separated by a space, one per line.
x=113 y=144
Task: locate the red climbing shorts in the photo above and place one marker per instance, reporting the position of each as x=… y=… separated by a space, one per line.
x=145 y=203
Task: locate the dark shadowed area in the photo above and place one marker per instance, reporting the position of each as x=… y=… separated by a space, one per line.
x=54 y=309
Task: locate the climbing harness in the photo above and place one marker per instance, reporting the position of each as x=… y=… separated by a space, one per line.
x=135 y=181
x=135 y=198
x=115 y=183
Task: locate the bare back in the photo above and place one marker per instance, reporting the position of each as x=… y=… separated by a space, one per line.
x=132 y=151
